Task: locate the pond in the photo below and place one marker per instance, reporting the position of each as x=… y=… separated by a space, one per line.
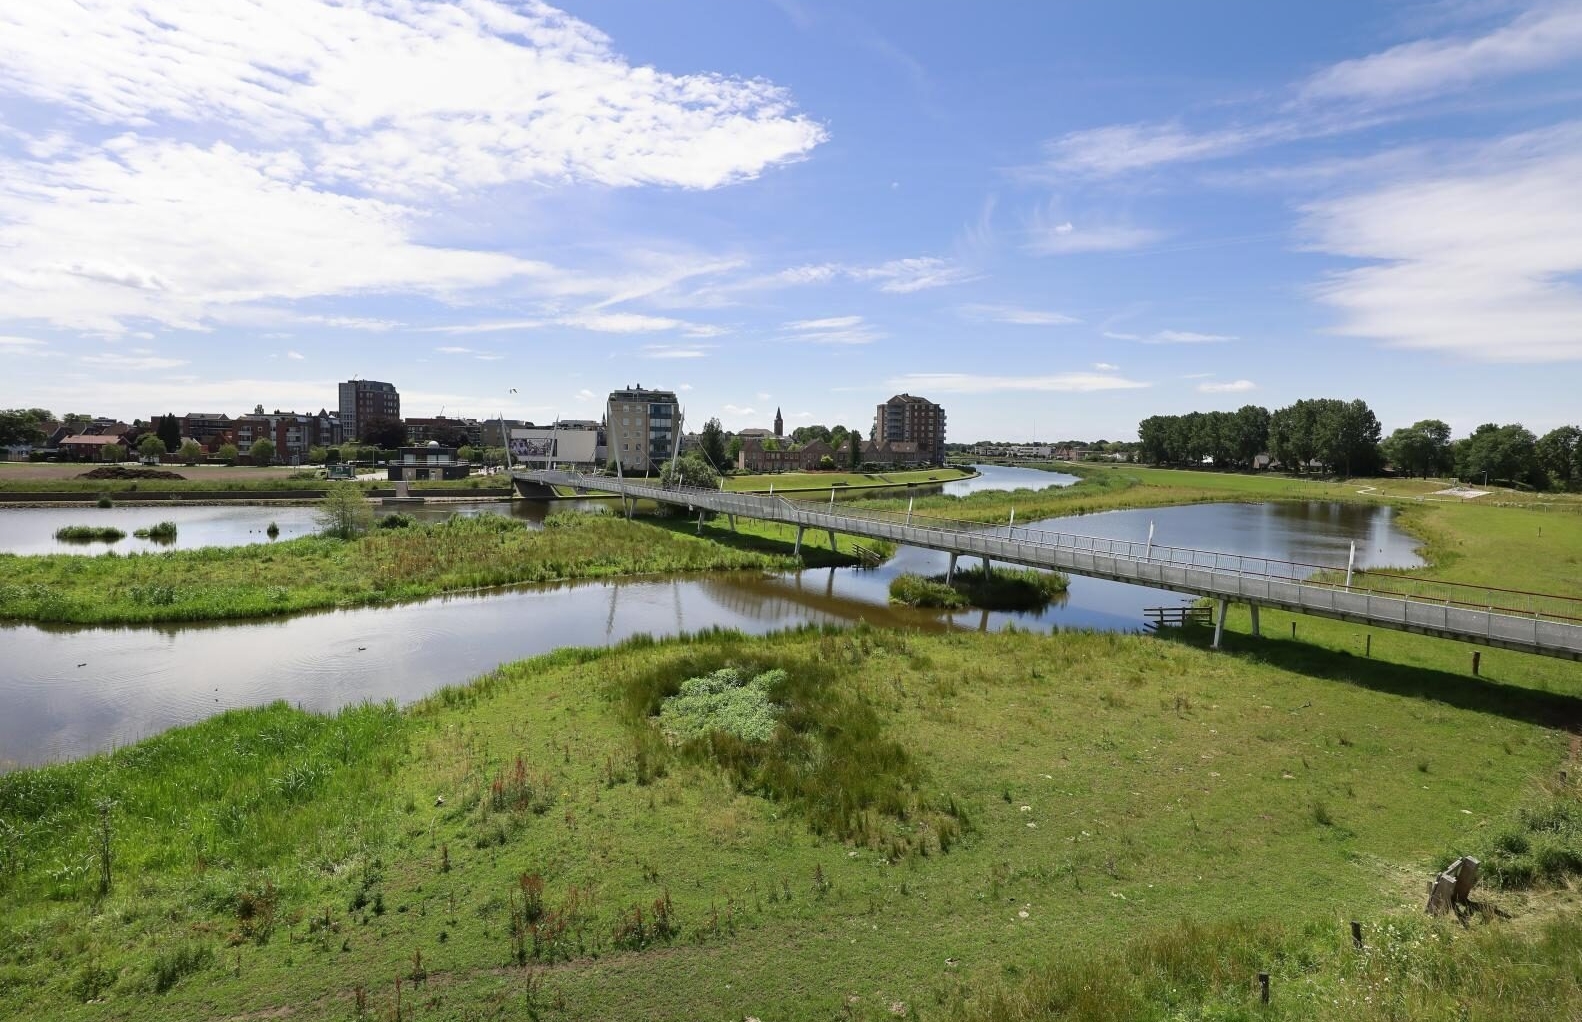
x=71 y=691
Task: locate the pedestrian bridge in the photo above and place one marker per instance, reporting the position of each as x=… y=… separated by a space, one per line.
x=1545 y=624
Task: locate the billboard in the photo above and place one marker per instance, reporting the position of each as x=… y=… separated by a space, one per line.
x=539 y=448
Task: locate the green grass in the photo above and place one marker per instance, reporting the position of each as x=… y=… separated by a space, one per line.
x=540 y=811
x=160 y=532
x=90 y=534
x=384 y=566
x=1002 y=589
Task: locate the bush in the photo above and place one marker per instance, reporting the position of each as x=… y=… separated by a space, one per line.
x=917 y=591
x=397 y=521
x=160 y=532
x=344 y=513
x=726 y=701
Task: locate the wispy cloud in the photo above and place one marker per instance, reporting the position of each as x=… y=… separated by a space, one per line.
x=904 y=276
x=675 y=350
x=1227 y=387
x=1171 y=337
x=832 y=330
x=966 y=383
x=1106 y=367
x=1049 y=234
x=295 y=356
x=133 y=363
x=1016 y=315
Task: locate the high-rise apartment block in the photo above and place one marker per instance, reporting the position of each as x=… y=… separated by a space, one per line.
x=640 y=426
x=362 y=400
x=914 y=419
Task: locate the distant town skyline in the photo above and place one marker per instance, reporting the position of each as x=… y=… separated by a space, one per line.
x=1054 y=220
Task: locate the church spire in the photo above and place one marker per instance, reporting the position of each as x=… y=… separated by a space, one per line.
x=780 y=425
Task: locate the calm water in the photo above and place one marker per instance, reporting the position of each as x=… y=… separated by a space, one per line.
x=70 y=691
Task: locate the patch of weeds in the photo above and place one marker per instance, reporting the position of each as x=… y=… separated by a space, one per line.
x=727 y=702
x=172 y=963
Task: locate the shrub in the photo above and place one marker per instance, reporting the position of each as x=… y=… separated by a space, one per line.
x=344 y=513
x=917 y=591
x=397 y=521
x=160 y=532
x=727 y=702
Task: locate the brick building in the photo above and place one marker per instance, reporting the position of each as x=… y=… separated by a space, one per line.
x=912 y=419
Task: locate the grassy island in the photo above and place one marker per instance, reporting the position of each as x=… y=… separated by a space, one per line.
x=383 y=566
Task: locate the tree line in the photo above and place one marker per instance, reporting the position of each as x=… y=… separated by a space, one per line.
x=1332 y=436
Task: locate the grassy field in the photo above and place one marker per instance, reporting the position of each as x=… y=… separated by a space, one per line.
x=383 y=566
x=1033 y=818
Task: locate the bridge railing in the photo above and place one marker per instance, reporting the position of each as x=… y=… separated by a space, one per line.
x=977 y=538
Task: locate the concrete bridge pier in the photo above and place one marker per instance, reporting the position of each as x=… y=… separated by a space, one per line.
x=796 y=550
x=700 y=523
x=985 y=568
x=832 y=547
x=1219 y=621
x=733 y=522
x=950 y=572
x=1254 y=608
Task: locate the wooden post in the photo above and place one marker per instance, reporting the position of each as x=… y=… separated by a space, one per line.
x=1255 y=629
x=1219 y=625
x=1477 y=660
x=1013 y=518
x=1441 y=892
x=733 y=522
x=1148 y=552
x=700 y=523
x=986 y=568
x=1293 y=629
x=1356 y=935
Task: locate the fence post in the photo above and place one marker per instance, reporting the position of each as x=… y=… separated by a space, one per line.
x=909 y=509
x=796 y=551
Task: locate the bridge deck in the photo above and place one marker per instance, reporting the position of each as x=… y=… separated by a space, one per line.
x=1544 y=627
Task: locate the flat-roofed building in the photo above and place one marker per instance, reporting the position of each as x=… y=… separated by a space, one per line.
x=912 y=419
x=640 y=427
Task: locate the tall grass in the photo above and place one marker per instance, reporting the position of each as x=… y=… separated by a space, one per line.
x=89 y=534
x=159 y=532
x=1000 y=589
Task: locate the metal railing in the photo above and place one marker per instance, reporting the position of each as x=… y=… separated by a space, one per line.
x=1403 y=600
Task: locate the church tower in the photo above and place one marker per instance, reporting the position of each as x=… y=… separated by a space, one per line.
x=780 y=424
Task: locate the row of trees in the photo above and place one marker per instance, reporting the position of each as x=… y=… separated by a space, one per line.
x=1344 y=437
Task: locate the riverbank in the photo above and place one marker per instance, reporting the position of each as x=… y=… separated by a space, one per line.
x=384 y=566
x=531 y=840
x=845 y=482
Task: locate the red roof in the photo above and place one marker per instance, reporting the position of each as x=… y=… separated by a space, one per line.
x=95 y=440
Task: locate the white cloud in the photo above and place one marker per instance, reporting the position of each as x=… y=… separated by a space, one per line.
x=634 y=323
x=1228 y=387
x=177 y=234
x=403 y=97
x=1106 y=367
x=965 y=383
x=1478 y=260
x=675 y=350
x=586 y=395
x=1017 y=315
x=21 y=345
x=1048 y=234
x=452 y=349
x=740 y=411
x=483 y=328
x=1186 y=337
x=135 y=363
x=1120 y=148
x=833 y=330
x=1549 y=35
x=904 y=276
x=1171 y=337
x=295 y=356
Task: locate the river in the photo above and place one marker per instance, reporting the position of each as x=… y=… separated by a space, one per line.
x=69 y=691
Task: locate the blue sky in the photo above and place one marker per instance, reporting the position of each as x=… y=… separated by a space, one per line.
x=1054 y=219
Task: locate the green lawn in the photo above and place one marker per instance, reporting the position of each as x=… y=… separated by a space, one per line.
x=1107 y=787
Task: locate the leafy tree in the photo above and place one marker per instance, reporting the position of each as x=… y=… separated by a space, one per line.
x=826 y=462
x=228 y=453
x=384 y=433
x=690 y=470
x=1500 y=454
x=837 y=436
x=344 y=513
x=808 y=434
x=113 y=453
x=262 y=451
x=1560 y=454
x=713 y=444
x=1421 y=449
x=856 y=449
x=317 y=454
x=465 y=452
x=191 y=452
x=733 y=450
x=1249 y=434
x=168 y=428
x=332 y=456
x=151 y=446
x=19 y=426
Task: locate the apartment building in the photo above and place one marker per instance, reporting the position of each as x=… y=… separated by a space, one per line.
x=640 y=427
x=362 y=400
x=910 y=419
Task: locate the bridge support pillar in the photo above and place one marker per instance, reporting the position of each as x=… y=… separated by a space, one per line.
x=1254 y=608
x=832 y=547
x=796 y=550
x=700 y=523
x=950 y=572
x=1219 y=621
x=986 y=568
x=733 y=522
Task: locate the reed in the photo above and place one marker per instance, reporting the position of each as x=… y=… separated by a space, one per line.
x=89 y=534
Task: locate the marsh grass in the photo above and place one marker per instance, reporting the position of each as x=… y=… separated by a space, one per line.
x=999 y=589
x=381 y=566
x=159 y=532
x=89 y=534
